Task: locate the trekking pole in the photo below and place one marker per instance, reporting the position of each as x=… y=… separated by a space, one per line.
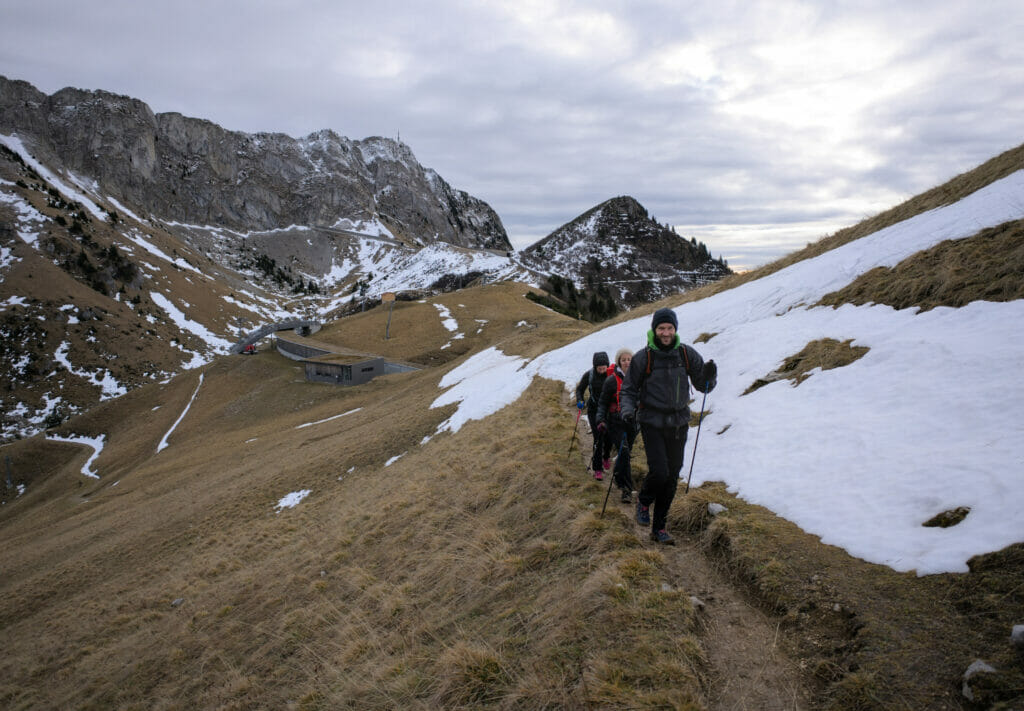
x=695 y=442
x=578 y=413
x=612 y=477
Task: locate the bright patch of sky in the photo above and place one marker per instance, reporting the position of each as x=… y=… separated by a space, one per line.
x=95 y=443
x=163 y=440
x=931 y=418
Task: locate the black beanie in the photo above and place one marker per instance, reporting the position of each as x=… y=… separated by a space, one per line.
x=665 y=316
x=600 y=358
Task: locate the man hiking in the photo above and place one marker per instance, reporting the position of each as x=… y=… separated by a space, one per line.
x=610 y=423
x=656 y=395
x=593 y=380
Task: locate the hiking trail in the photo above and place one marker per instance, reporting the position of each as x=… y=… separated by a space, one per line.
x=748 y=668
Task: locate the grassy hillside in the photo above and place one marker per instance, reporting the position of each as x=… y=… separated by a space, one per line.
x=464 y=570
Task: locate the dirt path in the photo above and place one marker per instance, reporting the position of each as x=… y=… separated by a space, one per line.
x=749 y=669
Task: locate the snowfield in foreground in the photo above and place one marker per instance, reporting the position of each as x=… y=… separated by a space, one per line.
x=931 y=418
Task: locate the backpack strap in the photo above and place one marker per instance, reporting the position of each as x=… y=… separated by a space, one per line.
x=680 y=347
x=615 y=407
x=685 y=359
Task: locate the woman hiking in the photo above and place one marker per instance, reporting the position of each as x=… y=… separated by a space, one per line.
x=593 y=380
x=656 y=394
x=611 y=424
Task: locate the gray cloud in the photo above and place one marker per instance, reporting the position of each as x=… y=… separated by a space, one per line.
x=756 y=126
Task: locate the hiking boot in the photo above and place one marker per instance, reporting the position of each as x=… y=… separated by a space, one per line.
x=643 y=514
x=599 y=475
x=627 y=497
x=662 y=536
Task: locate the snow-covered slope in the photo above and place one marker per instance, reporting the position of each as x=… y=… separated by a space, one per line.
x=930 y=419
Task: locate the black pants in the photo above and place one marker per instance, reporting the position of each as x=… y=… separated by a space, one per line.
x=623 y=471
x=664 y=461
x=602 y=447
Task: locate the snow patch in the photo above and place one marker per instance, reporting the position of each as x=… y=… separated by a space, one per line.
x=292 y=500
x=163 y=441
x=96 y=443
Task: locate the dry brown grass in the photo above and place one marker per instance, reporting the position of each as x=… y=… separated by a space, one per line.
x=825 y=353
x=988 y=267
x=119 y=338
x=496 y=314
x=871 y=637
x=473 y=571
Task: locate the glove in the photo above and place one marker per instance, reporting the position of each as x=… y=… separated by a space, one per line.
x=630 y=420
x=579 y=405
x=602 y=427
x=710 y=376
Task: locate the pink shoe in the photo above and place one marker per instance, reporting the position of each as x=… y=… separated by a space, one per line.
x=607 y=464
x=599 y=475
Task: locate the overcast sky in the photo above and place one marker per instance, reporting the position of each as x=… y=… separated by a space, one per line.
x=754 y=126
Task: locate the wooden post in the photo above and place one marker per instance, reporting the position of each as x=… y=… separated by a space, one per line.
x=388 y=298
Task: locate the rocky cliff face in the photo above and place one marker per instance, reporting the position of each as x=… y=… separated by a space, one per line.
x=618 y=248
x=179 y=169
x=134 y=246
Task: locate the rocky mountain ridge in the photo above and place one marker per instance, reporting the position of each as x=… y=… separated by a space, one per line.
x=135 y=245
x=617 y=248
x=191 y=171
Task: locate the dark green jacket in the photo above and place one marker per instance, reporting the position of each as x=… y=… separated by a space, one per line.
x=658 y=393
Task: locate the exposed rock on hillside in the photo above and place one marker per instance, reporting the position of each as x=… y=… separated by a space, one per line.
x=192 y=171
x=618 y=246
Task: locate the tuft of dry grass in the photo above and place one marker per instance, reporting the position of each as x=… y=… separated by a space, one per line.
x=825 y=353
x=472 y=571
x=870 y=637
x=988 y=266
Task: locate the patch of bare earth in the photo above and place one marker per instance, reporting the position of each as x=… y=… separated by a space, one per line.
x=749 y=666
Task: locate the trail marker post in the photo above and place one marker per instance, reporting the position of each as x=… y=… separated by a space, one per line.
x=388 y=298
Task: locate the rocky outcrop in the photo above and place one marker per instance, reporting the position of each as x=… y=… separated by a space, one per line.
x=180 y=169
x=618 y=246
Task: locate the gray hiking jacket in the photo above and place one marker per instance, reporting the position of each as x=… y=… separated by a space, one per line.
x=661 y=397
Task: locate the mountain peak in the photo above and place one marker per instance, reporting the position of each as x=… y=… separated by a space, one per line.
x=192 y=171
x=618 y=247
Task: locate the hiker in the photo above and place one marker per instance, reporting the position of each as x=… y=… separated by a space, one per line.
x=593 y=380
x=656 y=395
x=612 y=426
